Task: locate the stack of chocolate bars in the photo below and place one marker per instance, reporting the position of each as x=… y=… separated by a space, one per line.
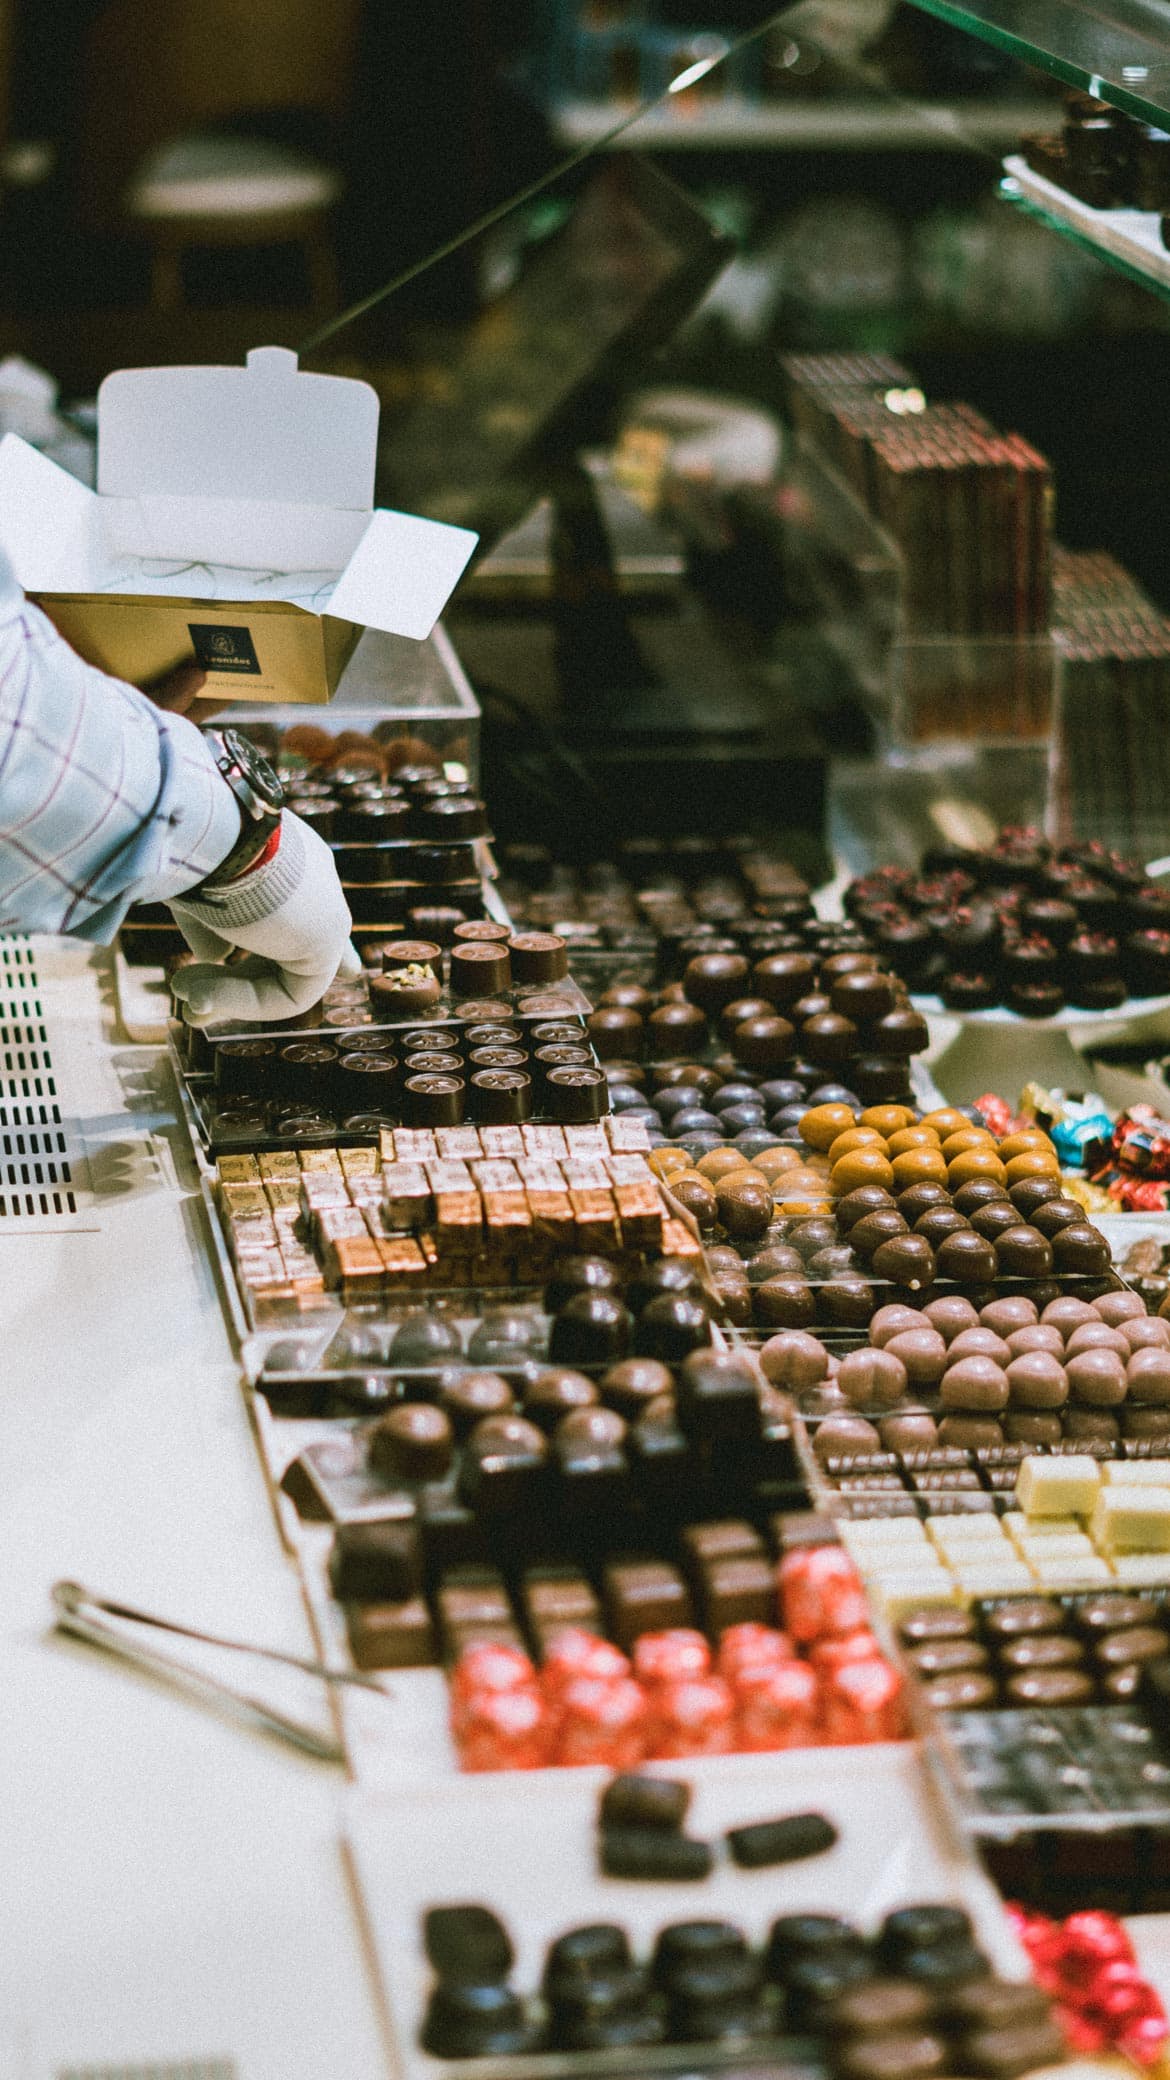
x=969 y=512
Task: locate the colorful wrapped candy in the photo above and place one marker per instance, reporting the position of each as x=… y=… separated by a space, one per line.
x=1087 y=1964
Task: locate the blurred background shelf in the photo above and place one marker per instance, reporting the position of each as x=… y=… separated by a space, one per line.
x=743 y=125
x=1127 y=239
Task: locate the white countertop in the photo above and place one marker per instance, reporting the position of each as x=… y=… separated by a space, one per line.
x=171 y=1884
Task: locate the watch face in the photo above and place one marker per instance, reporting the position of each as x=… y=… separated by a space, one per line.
x=260 y=776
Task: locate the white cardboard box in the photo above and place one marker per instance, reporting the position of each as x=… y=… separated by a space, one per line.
x=233 y=519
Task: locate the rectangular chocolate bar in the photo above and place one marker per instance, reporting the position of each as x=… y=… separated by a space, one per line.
x=243 y=1201
x=458 y=1220
x=502 y=1144
x=468 y=1604
x=250 y=1232
x=448 y=1176
x=335 y=1223
x=458 y=1144
x=586 y=1141
x=353 y=1263
x=391 y=1635
x=320 y=1162
x=329 y=1481
x=557 y=1601
x=644 y=1596
x=595 y=1221
x=678 y=1241
x=546 y=1143
x=584 y=1176
x=359 y=1162
x=402 y=1259
x=238 y=1170
x=628 y=1170
x=639 y=1210
x=552 y=1216
x=506 y=1215
x=323 y=1191
x=496 y=1176
x=537 y=1175
x=414 y=1145
x=283 y=1191
x=406 y=1195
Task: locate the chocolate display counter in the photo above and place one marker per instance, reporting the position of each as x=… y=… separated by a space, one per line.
x=556 y=1482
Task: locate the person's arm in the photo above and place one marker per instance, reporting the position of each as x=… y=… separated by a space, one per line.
x=105 y=801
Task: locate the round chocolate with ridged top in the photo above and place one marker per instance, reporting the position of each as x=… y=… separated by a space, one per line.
x=952 y=1315
x=921 y=1198
x=479 y=967
x=538 y=957
x=994 y=1219
x=577 y=1094
x=784 y=1303
x=939 y=1222
x=501 y=1097
x=1023 y=1253
x=868 y=1234
x=862 y=995
x=977 y=1192
x=827 y=1038
x=434 y=1100
x=557 y=1391
x=864 y=1200
x=593 y=1328
x=1031 y=1192
x=1079 y=1247
x=1053 y=1215
x=967 y=1258
x=906 y=1259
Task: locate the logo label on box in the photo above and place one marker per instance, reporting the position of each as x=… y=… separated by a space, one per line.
x=222 y=649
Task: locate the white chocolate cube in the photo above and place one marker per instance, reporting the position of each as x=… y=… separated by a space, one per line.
x=1132 y=1520
x=1058 y=1487
x=898 y=1593
x=976 y=1524
x=980 y=1578
x=1136 y=1473
x=1142 y=1570
x=1018 y=1526
x=1073 y=1574
x=1072 y=1545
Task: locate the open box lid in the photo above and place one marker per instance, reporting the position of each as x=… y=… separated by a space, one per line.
x=250 y=483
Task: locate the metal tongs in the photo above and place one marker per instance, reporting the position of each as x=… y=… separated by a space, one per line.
x=86 y=1615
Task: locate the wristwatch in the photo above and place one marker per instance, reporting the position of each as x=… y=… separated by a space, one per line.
x=258 y=790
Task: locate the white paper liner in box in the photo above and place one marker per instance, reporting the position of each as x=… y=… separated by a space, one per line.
x=524 y=1844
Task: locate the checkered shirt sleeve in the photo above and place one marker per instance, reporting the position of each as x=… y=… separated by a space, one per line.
x=104 y=799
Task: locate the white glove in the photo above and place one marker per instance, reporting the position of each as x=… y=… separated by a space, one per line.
x=289 y=915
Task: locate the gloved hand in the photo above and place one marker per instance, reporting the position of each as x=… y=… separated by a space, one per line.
x=291 y=918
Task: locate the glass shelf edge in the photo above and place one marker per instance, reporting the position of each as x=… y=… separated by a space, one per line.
x=1151 y=106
